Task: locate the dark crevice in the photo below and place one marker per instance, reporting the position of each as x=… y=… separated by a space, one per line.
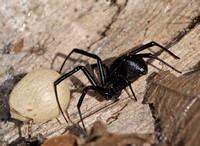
x=157 y=124
x=113 y=20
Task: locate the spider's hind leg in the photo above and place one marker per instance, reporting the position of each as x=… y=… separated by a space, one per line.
x=151 y=44
x=149 y=55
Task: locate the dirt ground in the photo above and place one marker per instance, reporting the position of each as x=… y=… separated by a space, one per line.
x=39 y=34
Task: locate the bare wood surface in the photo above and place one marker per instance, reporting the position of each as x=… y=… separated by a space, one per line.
x=108 y=30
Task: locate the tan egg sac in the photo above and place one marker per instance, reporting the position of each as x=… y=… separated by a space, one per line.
x=34 y=97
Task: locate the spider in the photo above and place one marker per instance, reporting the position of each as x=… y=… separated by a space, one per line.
x=123 y=71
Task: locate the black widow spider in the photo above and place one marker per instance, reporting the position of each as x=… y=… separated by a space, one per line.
x=122 y=72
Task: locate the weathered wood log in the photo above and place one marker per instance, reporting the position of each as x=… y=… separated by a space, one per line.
x=104 y=28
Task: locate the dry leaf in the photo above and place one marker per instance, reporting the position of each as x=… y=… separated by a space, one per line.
x=99 y=136
x=63 y=140
x=17 y=47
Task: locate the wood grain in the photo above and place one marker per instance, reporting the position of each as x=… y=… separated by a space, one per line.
x=108 y=30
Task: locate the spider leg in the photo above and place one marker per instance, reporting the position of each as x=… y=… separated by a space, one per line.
x=85 y=71
x=129 y=84
x=100 y=90
x=149 y=55
x=94 y=56
x=90 y=78
x=151 y=44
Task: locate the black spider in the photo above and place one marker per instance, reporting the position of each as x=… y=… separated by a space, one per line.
x=122 y=72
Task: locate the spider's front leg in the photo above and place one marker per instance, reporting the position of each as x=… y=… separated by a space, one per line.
x=103 y=91
x=94 y=56
x=85 y=71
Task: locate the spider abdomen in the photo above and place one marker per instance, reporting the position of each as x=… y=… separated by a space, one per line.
x=131 y=68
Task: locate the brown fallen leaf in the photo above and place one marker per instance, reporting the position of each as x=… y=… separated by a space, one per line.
x=176 y=107
x=121 y=140
x=17 y=47
x=99 y=136
x=63 y=140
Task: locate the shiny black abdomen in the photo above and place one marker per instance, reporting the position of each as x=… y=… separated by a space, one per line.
x=132 y=67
